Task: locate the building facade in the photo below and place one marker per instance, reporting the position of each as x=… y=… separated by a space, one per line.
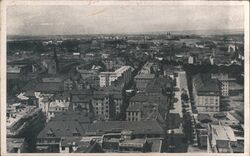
x=102 y=106
x=106 y=78
x=206 y=94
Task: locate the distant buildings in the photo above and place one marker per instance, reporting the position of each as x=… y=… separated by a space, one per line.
x=95 y=103
x=190 y=60
x=107 y=77
x=231 y=48
x=206 y=93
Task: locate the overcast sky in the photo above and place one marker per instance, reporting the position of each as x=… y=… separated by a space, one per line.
x=62 y=20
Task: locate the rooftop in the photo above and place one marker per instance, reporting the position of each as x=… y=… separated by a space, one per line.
x=133 y=142
x=203 y=83
x=99 y=128
x=55 y=104
x=146 y=98
x=60 y=128
x=49 y=87
x=223 y=133
x=122 y=69
x=144 y=76
x=21 y=112
x=158 y=85
x=81 y=117
x=80 y=98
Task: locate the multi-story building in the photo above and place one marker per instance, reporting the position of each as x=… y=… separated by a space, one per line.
x=159 y=86
x=146 y=69
x=24 y=122
x=81 y=102
x=66 y=134
x=118 y=102
x=142 y=81
x=102 y=106
x=143 y=107
x=56 y=106
x=125 y=72
x=206 y=93
x=21 y=120
x=66 y=124
x=16 y=145
x=68 y=84
x=190 y=60
x=224 y=81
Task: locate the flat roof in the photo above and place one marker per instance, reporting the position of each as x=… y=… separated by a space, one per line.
x=223 y=133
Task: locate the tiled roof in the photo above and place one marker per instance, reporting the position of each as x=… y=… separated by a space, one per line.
x=79 y=92
x=80 y=98
x=61 y=129
x=81 y=117
x=146 y=98
x=202 y=117
x=100 y=95
x=63 y=96
x=158 y=84
x=203 y=83
x=138 y=127
x=49 y=87
x=174 y=120
x=144 y=76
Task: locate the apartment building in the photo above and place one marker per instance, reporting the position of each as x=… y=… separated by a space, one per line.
x=106 y=78
x=206 y=93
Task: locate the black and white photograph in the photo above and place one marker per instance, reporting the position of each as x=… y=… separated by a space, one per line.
x=135 y=77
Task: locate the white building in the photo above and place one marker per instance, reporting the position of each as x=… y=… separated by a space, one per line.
x=57 y=106
x=190 y=60
x=221 y=139
x=107 y=77
x=206 y=93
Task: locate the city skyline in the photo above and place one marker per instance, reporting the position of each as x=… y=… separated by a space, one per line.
x=55 y=20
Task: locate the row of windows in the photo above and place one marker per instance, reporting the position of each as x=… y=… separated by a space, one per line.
x=102 y=112
x=133 y=113
x=60 y=109
x=133 y=119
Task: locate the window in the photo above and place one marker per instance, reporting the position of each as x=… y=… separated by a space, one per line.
x=63 y=148
x=76 y=134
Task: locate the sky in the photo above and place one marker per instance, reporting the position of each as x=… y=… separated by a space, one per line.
x=68 y=20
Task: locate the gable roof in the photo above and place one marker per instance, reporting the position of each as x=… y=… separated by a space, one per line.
x=138 y=127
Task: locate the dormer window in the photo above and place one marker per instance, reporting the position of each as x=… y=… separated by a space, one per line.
x=75 y=132
x=50 y=133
